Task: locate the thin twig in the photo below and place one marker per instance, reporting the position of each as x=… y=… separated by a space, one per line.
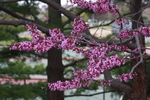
x=140 y=52
x=75 y=62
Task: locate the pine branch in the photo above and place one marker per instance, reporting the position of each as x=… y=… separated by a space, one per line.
x=13 y=14
x=23 y=22
x=10 y=1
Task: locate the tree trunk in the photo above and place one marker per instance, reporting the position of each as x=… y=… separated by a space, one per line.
x=139 y=88
x=55 y=67
x=55 y=73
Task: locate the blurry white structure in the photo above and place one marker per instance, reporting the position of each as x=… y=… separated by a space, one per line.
x=116 y=28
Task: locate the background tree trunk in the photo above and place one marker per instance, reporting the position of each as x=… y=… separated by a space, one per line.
x=139 y=86
x=55 y=67
x=55 y=73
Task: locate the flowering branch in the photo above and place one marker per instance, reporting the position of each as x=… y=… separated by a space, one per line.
x=14 y=14
x=99 y=54
x=23 y=22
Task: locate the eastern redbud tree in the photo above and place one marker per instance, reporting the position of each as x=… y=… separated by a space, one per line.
x=101 y=56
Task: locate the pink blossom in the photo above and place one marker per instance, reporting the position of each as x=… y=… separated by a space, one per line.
x=126 y=77
x=22 y=46
x=98 y=54
x=114 y=9
x=68 y=44
x=44 y=46
x=34 y=32
x=77 y=82
x=120 y=21
x=128 y=33
x=145 y=31
x=105 y=82
x=78 y=27
x=78 y=49
x=99 y=7
x=56 y=35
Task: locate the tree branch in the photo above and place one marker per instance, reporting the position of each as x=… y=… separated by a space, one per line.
x=59 y=8
x=14 y=14
x=75 y=62
x=80 y=12
x=46 y=30
x=23 y=22
x=140 y=53
x=117 y=84
x=30 y=10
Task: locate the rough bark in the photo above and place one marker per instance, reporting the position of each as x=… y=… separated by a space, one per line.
x=117 y=84
x=139 y=86
x=57 y=7
x=55 y=67
x=54 y=73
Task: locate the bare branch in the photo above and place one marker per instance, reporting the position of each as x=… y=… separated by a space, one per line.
x=13 y=14
x=22 y=22
x=103 y=24
x=53 y=4
x=30 y=10
x=59 y=8
x=106 y=24
x=140 y=52
x=80 y=12
x=75 y=62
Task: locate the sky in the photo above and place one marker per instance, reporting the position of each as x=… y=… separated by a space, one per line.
x=63 y=2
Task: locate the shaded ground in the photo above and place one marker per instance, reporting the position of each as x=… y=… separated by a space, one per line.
x=100 y=32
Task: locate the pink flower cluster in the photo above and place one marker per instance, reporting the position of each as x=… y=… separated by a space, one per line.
x=75 y=83
x=105 y=82
x=126 y=77
x=98 y=62
x=101 y=64
x=130 y=33
x=42 y=44
x=82 y=79
x=34 y=32
x=99 y=7
x=78 y=27
x=22 y=46
x=145 y=31
x=98 y=54
x=120 y=21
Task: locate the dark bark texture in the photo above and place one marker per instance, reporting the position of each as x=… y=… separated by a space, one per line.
x=139 y=86
x=55 y=67
x=55 y=73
